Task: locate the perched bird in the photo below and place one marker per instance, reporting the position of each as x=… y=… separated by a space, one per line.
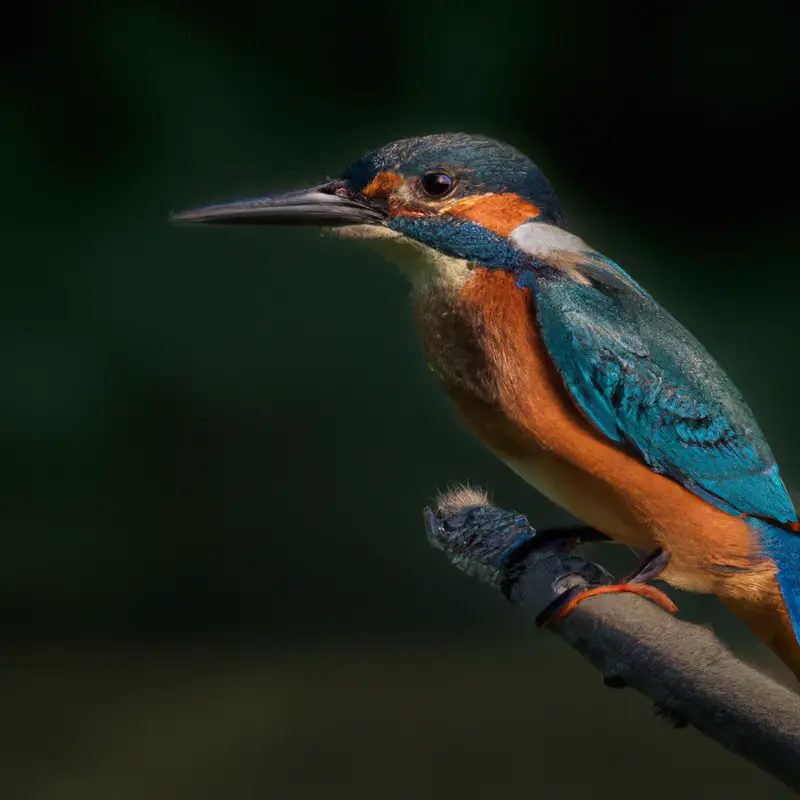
x=568 y=370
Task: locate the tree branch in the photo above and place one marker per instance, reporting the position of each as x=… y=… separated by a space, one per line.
x=683 y=668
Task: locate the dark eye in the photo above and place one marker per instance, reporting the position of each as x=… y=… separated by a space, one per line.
x=436 y=184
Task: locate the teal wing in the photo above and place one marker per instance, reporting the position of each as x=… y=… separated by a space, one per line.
x=650 y=386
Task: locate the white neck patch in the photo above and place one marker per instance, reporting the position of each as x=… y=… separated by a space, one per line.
x=540 y=239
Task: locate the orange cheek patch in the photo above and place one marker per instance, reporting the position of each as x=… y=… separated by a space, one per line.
x=500 y=213
x=382 y=185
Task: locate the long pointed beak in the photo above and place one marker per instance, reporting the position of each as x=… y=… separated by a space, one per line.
x=329 y=205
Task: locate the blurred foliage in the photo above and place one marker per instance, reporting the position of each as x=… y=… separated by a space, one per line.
x=231 y=433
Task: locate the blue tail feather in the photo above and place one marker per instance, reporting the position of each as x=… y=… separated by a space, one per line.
x=783 y=547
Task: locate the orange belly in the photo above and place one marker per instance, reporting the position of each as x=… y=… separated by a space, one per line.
x=487 y=351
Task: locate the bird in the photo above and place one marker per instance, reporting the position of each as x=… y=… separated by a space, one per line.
x=568 y=370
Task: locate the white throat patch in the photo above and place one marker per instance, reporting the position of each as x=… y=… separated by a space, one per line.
x=424 y=266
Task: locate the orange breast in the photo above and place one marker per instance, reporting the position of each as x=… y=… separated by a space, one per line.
x=485 y=346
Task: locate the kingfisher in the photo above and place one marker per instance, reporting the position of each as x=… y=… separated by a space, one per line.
x=568 y=370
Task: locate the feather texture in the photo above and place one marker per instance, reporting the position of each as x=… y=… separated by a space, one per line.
x=647 y=383
x=644 y=381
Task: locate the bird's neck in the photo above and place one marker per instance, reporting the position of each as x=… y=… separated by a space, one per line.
x=448 y=266
x=428 y=269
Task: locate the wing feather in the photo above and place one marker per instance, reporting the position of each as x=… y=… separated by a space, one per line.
x=644 y=381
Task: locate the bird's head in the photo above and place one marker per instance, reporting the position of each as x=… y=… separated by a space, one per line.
x=456 y=195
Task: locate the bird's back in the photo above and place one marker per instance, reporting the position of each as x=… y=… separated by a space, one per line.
x=483 y=343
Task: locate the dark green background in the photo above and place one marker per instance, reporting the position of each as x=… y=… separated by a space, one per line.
x=216 y=443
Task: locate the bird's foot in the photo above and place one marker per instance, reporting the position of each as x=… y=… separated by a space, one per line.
x=650 y=568
x=635 y=583
x=642 y=589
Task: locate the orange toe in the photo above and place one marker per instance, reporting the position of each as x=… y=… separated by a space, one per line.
x=642 y=589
